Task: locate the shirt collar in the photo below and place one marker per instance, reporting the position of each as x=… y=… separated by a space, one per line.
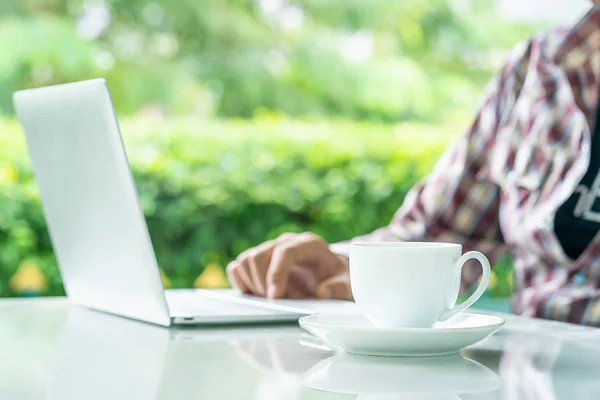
x=581 y=42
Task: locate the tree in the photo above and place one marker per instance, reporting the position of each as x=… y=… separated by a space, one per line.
x=359 y=59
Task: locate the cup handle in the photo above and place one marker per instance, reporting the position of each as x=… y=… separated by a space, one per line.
x=485 y=279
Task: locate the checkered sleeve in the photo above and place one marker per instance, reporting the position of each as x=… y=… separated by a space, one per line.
x=459 y=202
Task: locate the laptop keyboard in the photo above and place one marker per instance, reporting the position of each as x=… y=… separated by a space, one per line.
x=191 y=304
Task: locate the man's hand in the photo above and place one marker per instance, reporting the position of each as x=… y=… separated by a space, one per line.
x=293 y=265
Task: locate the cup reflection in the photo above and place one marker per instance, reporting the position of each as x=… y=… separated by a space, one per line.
x=406 y=378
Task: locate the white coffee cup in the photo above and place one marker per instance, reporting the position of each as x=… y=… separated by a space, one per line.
x=411 y=284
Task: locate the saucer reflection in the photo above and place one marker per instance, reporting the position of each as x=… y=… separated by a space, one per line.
x=407 y=378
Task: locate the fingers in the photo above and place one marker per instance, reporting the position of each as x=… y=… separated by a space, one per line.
x=240 y=277
x=301 y=283
x=233 y=274
x=248 y=272
x=304 y=279
x=294 y=292
x=285 y=256
x=337 y=287
x=258 y=263
x=265 y=270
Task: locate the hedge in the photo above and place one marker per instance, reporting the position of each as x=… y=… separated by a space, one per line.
x=210 y=189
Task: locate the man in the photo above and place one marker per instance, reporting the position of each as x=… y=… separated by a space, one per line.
x=525 y=178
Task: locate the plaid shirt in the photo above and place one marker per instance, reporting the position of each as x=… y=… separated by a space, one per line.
x=498 y=187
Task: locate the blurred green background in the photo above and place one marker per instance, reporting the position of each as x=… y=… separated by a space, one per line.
x=244 y=119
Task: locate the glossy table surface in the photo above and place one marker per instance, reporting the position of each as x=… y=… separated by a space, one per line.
x=50 y=350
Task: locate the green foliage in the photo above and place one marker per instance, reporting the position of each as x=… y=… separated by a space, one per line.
x=503 y=278
x=211 y=189
x=360 y=59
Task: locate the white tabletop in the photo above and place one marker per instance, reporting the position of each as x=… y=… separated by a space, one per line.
x=49 y=350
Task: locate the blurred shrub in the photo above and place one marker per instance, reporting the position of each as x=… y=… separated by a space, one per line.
x=211 y=189
x=361 y=59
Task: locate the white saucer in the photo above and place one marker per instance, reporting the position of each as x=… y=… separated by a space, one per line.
x=353 y=333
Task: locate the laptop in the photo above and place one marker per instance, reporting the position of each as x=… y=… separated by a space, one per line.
x=97 y=228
